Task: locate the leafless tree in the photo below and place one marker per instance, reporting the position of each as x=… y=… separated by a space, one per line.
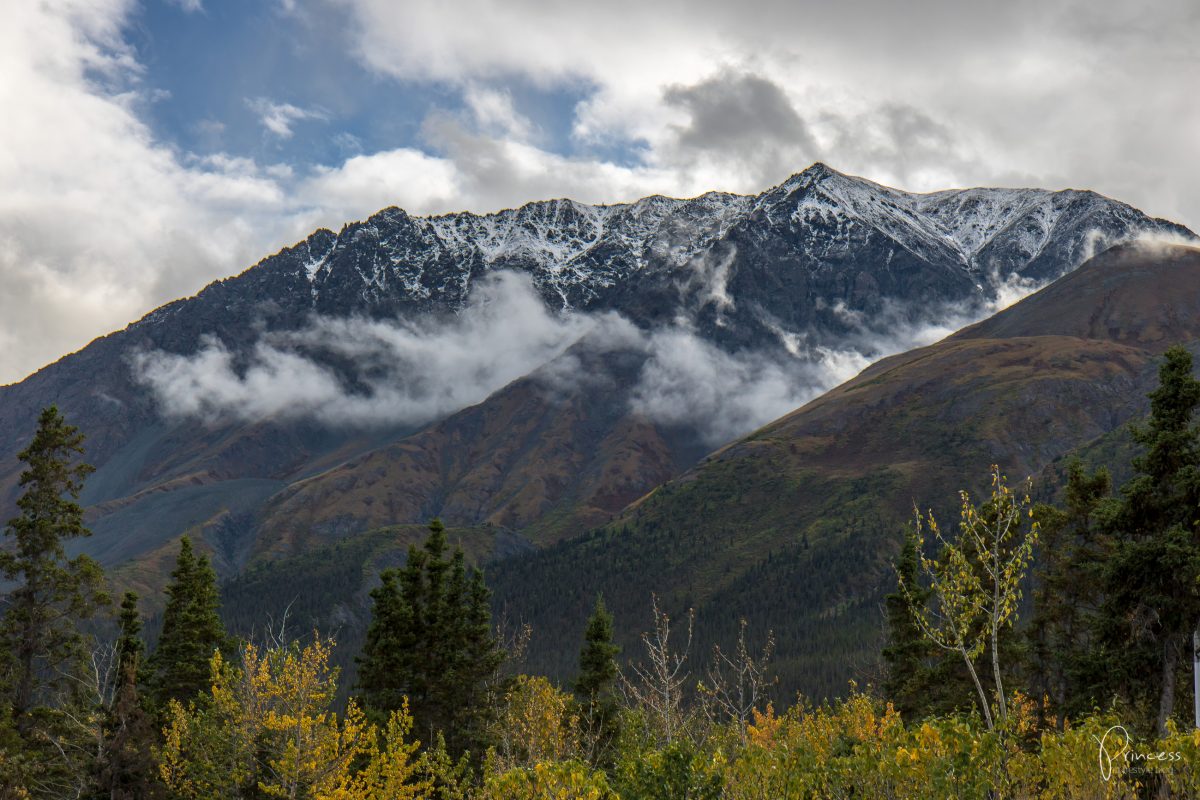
x=737 y=683
x=657 y=684
x=513 y=639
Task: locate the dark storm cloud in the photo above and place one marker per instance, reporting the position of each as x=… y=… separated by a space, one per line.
x=746 y=118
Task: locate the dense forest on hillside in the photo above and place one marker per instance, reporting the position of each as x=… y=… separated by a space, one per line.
x=1032 y=649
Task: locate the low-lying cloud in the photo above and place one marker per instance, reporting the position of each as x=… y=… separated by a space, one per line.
x=407 y=372
x=410 y=372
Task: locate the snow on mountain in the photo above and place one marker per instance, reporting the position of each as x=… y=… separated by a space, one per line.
x=575 y=251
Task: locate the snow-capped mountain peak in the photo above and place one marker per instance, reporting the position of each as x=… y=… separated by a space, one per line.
x=785 y=259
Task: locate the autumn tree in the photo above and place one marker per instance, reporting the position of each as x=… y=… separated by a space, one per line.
x=736 y=681
x=179 y=667
x=975 y=582
x=430 y=645
x=537 y=724
x=657 y=685
x=266 y=728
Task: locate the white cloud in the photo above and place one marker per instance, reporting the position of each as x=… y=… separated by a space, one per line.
x=366 y=183
x=99 y=223
x=419 y=370
x=278 y=118
x=495 y=113
x=414 y=371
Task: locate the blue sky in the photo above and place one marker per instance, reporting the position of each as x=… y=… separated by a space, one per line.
x=221 y=63
x=218 y=71
x=151 y=146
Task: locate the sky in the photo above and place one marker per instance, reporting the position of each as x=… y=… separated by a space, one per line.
x=149 y=148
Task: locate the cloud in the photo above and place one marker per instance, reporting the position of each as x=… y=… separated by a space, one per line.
x=404 y=372
x=898 y=329
x=411 y=372
x=689 y=382
x=96 y=220
x=743 y=118
x=416 y=371
x=1022 y=93
x=278 y=118
x=365 y=183
x=494 y=111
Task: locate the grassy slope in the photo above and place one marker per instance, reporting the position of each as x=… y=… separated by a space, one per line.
x=531 y=458
x=795 y=526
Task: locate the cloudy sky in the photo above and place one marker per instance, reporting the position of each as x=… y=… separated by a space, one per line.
x=147 y=148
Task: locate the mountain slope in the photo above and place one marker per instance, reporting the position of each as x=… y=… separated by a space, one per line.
x=794 y=526
x=821 y=263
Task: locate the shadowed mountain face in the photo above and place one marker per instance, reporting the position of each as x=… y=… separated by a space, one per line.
x=794 y=526
x=824 y=263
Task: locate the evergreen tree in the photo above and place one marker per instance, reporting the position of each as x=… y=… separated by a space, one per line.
x=40 y=644
x=430 y=641
x=128 y=770
x=1066 y=596
x=131 y=650
x=919 y=679
x=1152 y=578
x=192 y=630
x=907 y=652
x=595 y=688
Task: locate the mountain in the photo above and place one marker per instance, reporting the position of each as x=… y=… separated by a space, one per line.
x=794 y=526
x=821 y=266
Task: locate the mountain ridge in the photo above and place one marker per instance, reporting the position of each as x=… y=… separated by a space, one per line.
x=821 y=262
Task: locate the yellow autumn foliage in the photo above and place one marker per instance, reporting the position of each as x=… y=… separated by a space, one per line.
x=267 y=725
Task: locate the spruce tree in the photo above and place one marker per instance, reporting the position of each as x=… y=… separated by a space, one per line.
x=430 y=641
x=127 y=769
x=191 y=632
x=1152 y=577
x=907 y=652
x=595 y=687
x=1066 y=595
x=131 y=650
x=40 y=644
x=920 y=680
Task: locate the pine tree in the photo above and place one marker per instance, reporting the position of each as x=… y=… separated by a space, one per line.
x=907 y=652
x=128 y=770
x=1066 y=596
x=430 y=641
x=131 y=650
x=40 y=643
x=920 y=679
x=192 y=630
x=1152 y=577
x=595 y=687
